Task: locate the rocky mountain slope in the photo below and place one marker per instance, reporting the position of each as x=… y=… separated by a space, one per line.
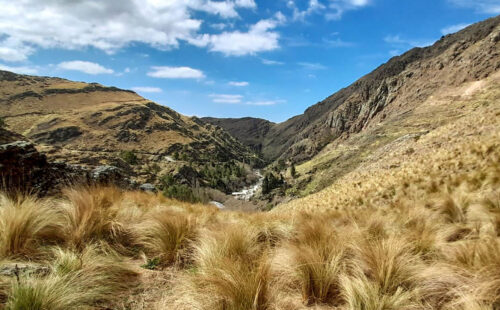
x=92 y=125
x=391 y=91
x=248 y=130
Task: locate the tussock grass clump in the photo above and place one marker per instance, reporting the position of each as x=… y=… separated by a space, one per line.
x=423 y=235
x=27 y=223
x=313 y=262
x=80 y=280
x=168 y=236
x=230 y=272
x=361 y=293
x=93 y=214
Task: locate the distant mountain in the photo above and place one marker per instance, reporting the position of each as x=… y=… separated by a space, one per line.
x=94 y=125
x=393 y=89
x=250 y=131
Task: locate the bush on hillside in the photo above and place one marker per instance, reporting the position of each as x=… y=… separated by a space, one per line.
x=129 y=157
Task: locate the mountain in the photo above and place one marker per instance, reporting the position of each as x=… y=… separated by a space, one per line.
x=250 y=131
x=93 y=125
x=391 y=91
x=409 y=97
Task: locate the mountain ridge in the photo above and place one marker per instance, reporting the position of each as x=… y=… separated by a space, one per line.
x=356 y=106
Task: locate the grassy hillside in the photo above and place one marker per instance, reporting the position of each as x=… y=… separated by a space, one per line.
x=408 y=96
x=415 y=229
x=91 y=125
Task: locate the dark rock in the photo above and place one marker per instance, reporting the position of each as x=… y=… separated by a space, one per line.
x=59 y=135
x=148 y=187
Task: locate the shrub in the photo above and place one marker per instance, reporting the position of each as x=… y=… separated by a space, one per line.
x=129 y=157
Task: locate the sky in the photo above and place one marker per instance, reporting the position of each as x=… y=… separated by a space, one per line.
x=224 y=58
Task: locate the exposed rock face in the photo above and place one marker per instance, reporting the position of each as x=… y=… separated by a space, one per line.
x=23 y=168
x=396 y=87
x=250 y=131
x=59 y=135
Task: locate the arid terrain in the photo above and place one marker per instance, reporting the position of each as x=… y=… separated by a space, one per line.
x=385 y=196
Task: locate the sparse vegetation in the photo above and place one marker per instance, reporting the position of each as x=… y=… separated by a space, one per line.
x=129 y=157
x=410 y=242
x=415 y=226
x=272 y=181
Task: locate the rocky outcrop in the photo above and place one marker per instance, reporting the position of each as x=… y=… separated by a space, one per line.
x=396 y=87
x=58 y=135
x=23 y=168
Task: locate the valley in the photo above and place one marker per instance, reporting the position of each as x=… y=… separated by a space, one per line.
x=383 y=196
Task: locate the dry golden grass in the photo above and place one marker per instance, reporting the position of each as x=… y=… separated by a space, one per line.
x=411 y=230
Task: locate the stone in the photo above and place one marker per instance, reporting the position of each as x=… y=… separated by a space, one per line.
x=148 y=187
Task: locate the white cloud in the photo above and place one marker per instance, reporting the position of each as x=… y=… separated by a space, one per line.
x=28 y=25
x=454 y=28
x=265 y=102
x=19 y=69
x=225 y=98
x=239 y=84
x=331 y=9
x=269 y=62
x=480 y=6
x=312 y=66
x=147 y=89
x=259 y=38
x=85 y=67
x=219 y=26
x=246 y=4
x=314 y=6
x=238 y=99
x=13 y=51
x=394 y=53
x=176 y=73
x=397 y=41
x=338 y=42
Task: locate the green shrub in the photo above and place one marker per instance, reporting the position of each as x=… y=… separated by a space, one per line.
x=129 y=157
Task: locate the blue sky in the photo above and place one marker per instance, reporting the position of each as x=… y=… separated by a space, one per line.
x=224 y=58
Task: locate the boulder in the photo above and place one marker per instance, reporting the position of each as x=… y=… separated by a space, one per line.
x=148 y=187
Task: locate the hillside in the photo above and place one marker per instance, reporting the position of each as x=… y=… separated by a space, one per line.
x=393 y=89
x=394 y=203
x=249 y=131
x=410 y=95
x=92 y=125
x=416 y=230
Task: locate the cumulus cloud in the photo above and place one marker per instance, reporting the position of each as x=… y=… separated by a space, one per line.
x=225 y=98
x=176 y=73
x=480 y=6
x=239 y=84
x=259 y=38
x=147 y=89
x=454 y=28
x=85 y=67
x=108 y=25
